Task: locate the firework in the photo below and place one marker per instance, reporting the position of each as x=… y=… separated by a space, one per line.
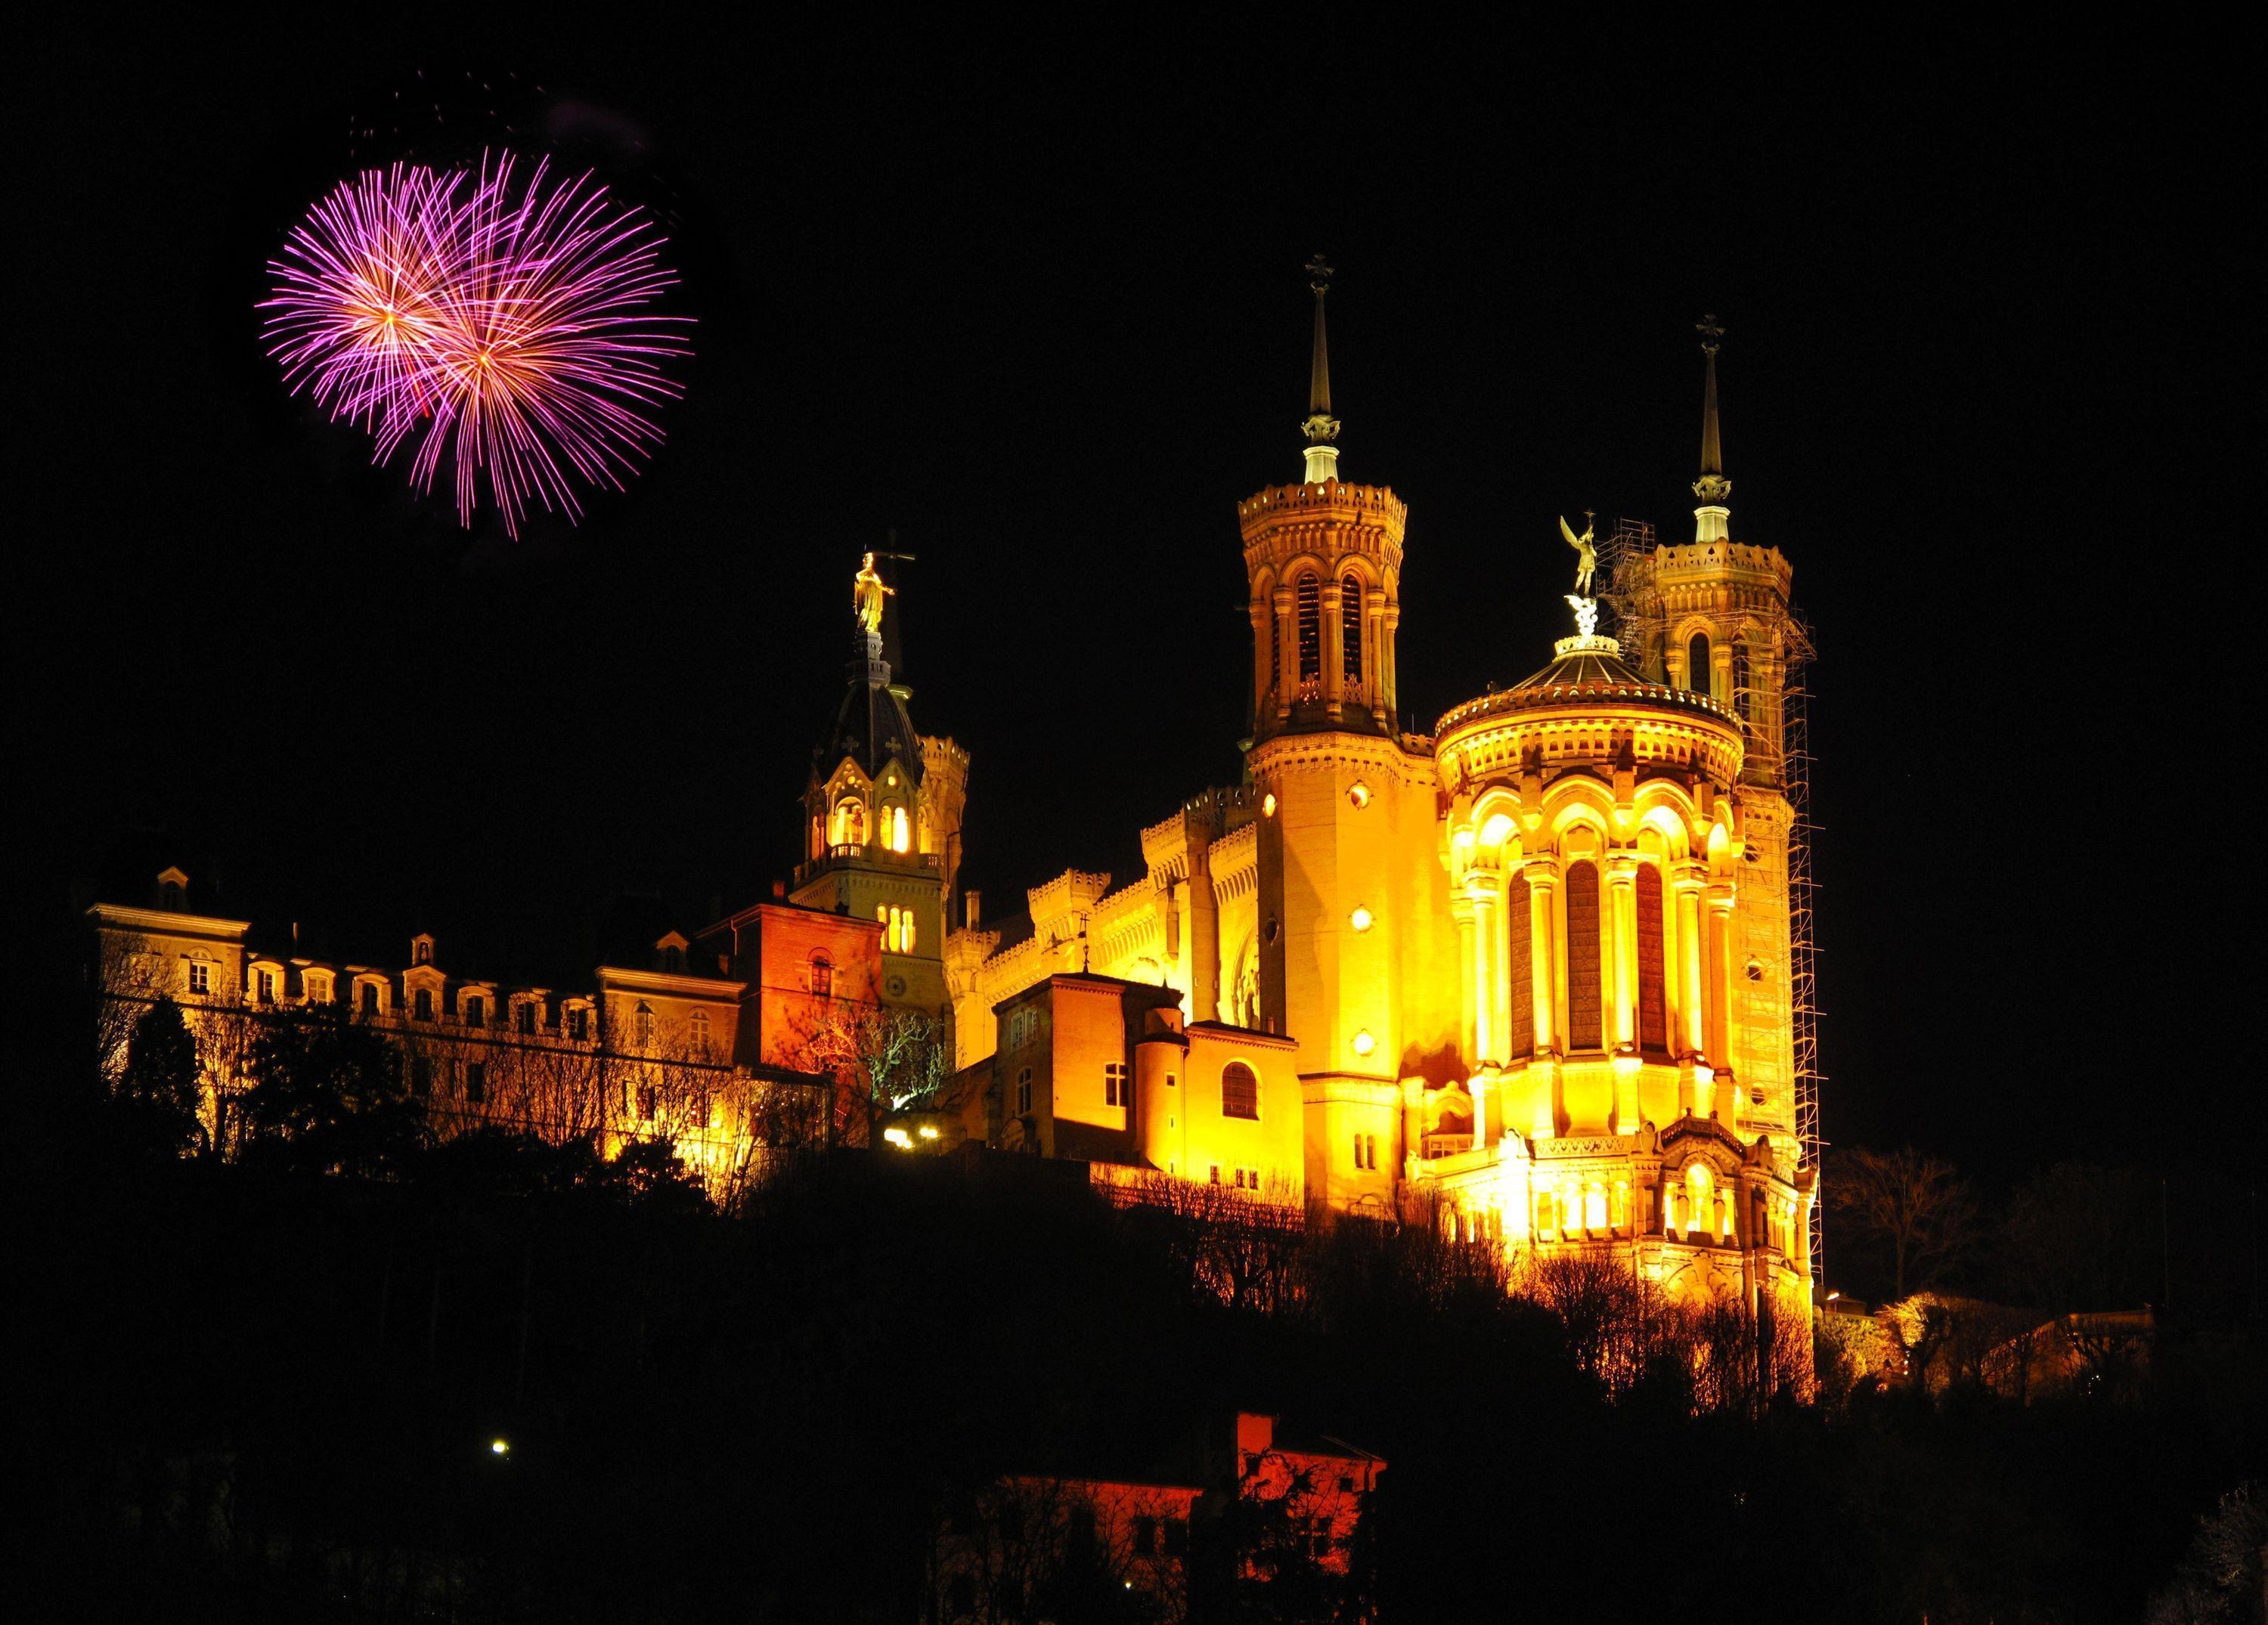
x=497 y=326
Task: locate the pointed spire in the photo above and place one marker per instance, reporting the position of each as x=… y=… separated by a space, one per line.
x=1322 y=429
x=1712 y=487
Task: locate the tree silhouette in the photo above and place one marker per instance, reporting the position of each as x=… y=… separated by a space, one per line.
x=155 y=1101
x=1914 y=1208
x=327 y=1096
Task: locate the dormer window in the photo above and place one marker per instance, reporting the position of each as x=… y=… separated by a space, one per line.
x=523 y=1016
x=369 y=997
x=579 y=1025
x=264 y=987
x=672 y=960
x=425 y=1005
x=477 y=1011
x=318 y=987
x=172 y=898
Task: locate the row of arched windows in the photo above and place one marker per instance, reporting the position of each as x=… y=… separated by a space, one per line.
x=894 y=828
x=1586 y=991
x=1307 y=630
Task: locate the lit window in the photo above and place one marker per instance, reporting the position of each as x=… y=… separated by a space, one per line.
x=1240 y=1092
x=200 y=977
x=900 y=837
x=850 y=822
x=319 y=989
x=1117 y=1088
x=1350 y=628
x=1308 y=597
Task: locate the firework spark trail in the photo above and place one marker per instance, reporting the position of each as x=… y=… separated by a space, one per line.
x=492 y=325
x=355 y=315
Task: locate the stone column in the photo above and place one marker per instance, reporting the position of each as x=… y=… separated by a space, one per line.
x=1488 y=967
x=1373 y=652
x=1461 y=910
x=1721 y=1022
x=1500 y=970
x=1622 y=949
x=1543 y=876
x=1333 y=647
x=1689 y=878
x=1391 y=665
x=1263 y=677
x=1204 y=937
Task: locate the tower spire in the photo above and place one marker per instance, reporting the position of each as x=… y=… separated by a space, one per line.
x=1322 y=429
x=1709 y=520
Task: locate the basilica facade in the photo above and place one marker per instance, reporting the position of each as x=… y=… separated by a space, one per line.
x=1537 y=965
x=1540 y=970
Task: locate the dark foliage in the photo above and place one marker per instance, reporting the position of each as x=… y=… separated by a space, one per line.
x=271 y=1393
x=154 y=1107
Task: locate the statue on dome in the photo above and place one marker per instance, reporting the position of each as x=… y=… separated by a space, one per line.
x=1586 y=556
x=866 y=594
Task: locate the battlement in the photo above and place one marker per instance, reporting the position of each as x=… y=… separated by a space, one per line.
x=1683 y=561
x=1334 y=502
x=1074 y=891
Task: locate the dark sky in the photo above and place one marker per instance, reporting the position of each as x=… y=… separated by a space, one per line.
x=1035 y=302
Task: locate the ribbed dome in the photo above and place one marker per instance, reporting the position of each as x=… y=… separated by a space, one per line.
x=1583 y=666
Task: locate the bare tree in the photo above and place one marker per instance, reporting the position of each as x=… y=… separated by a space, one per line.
x=1916 y=1208
x=883 y=1059
x=1239 y=1245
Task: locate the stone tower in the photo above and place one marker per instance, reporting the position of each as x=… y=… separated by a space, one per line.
x=882 y=816
x=1352 y=919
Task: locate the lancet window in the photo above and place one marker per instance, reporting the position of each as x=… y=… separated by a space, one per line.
x=1350 y=628
x=1583 y=1028
x=1652 y=1002
x=1307 y=598
x=1239 y=1090
x=1696 y=664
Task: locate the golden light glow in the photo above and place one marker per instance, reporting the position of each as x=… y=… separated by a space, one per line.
x=499 y=1447
x=1360 y=794
x=900 y=1138
x=1363 y=1043
x=1268 y=804
x=1360 y=919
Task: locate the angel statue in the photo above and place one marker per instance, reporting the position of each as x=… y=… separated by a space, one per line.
x=867 y=591
x=1586 y=556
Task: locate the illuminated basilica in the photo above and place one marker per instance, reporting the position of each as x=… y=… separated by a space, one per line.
x=1540 y=965
x=1545 y=969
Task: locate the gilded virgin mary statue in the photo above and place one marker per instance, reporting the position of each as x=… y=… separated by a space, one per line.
x=866 y=594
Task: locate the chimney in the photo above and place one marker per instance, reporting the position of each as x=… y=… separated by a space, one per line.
x=972 y=908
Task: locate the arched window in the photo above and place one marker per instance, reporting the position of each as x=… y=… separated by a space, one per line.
x=1584 y=1031
x=1696 y=1205
x=700 y=1031
x=1240 y=1092
x=1653 y=1002
x=822 y=976
x=1350 y=628
x=850 y=822
x=901 y=838
x=1741 y=697
x=1519 y=967
x=1696 y=664
x=1307 y=595
x=644 y=1026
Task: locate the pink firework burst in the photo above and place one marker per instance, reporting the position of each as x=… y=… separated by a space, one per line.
x=501 y=327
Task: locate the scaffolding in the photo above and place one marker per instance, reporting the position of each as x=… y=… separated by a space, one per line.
x=1625 y=560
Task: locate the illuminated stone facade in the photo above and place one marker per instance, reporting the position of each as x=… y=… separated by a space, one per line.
x=1534 y=966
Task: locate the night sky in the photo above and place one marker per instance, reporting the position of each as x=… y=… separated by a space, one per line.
x=1036 y=304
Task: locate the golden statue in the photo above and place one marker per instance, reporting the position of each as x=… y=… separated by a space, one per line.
x=1586 y=556
x=866 y=594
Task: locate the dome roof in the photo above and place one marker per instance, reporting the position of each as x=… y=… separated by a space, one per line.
x=1588 y=671
x=1603 y=663
x=871 y=726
